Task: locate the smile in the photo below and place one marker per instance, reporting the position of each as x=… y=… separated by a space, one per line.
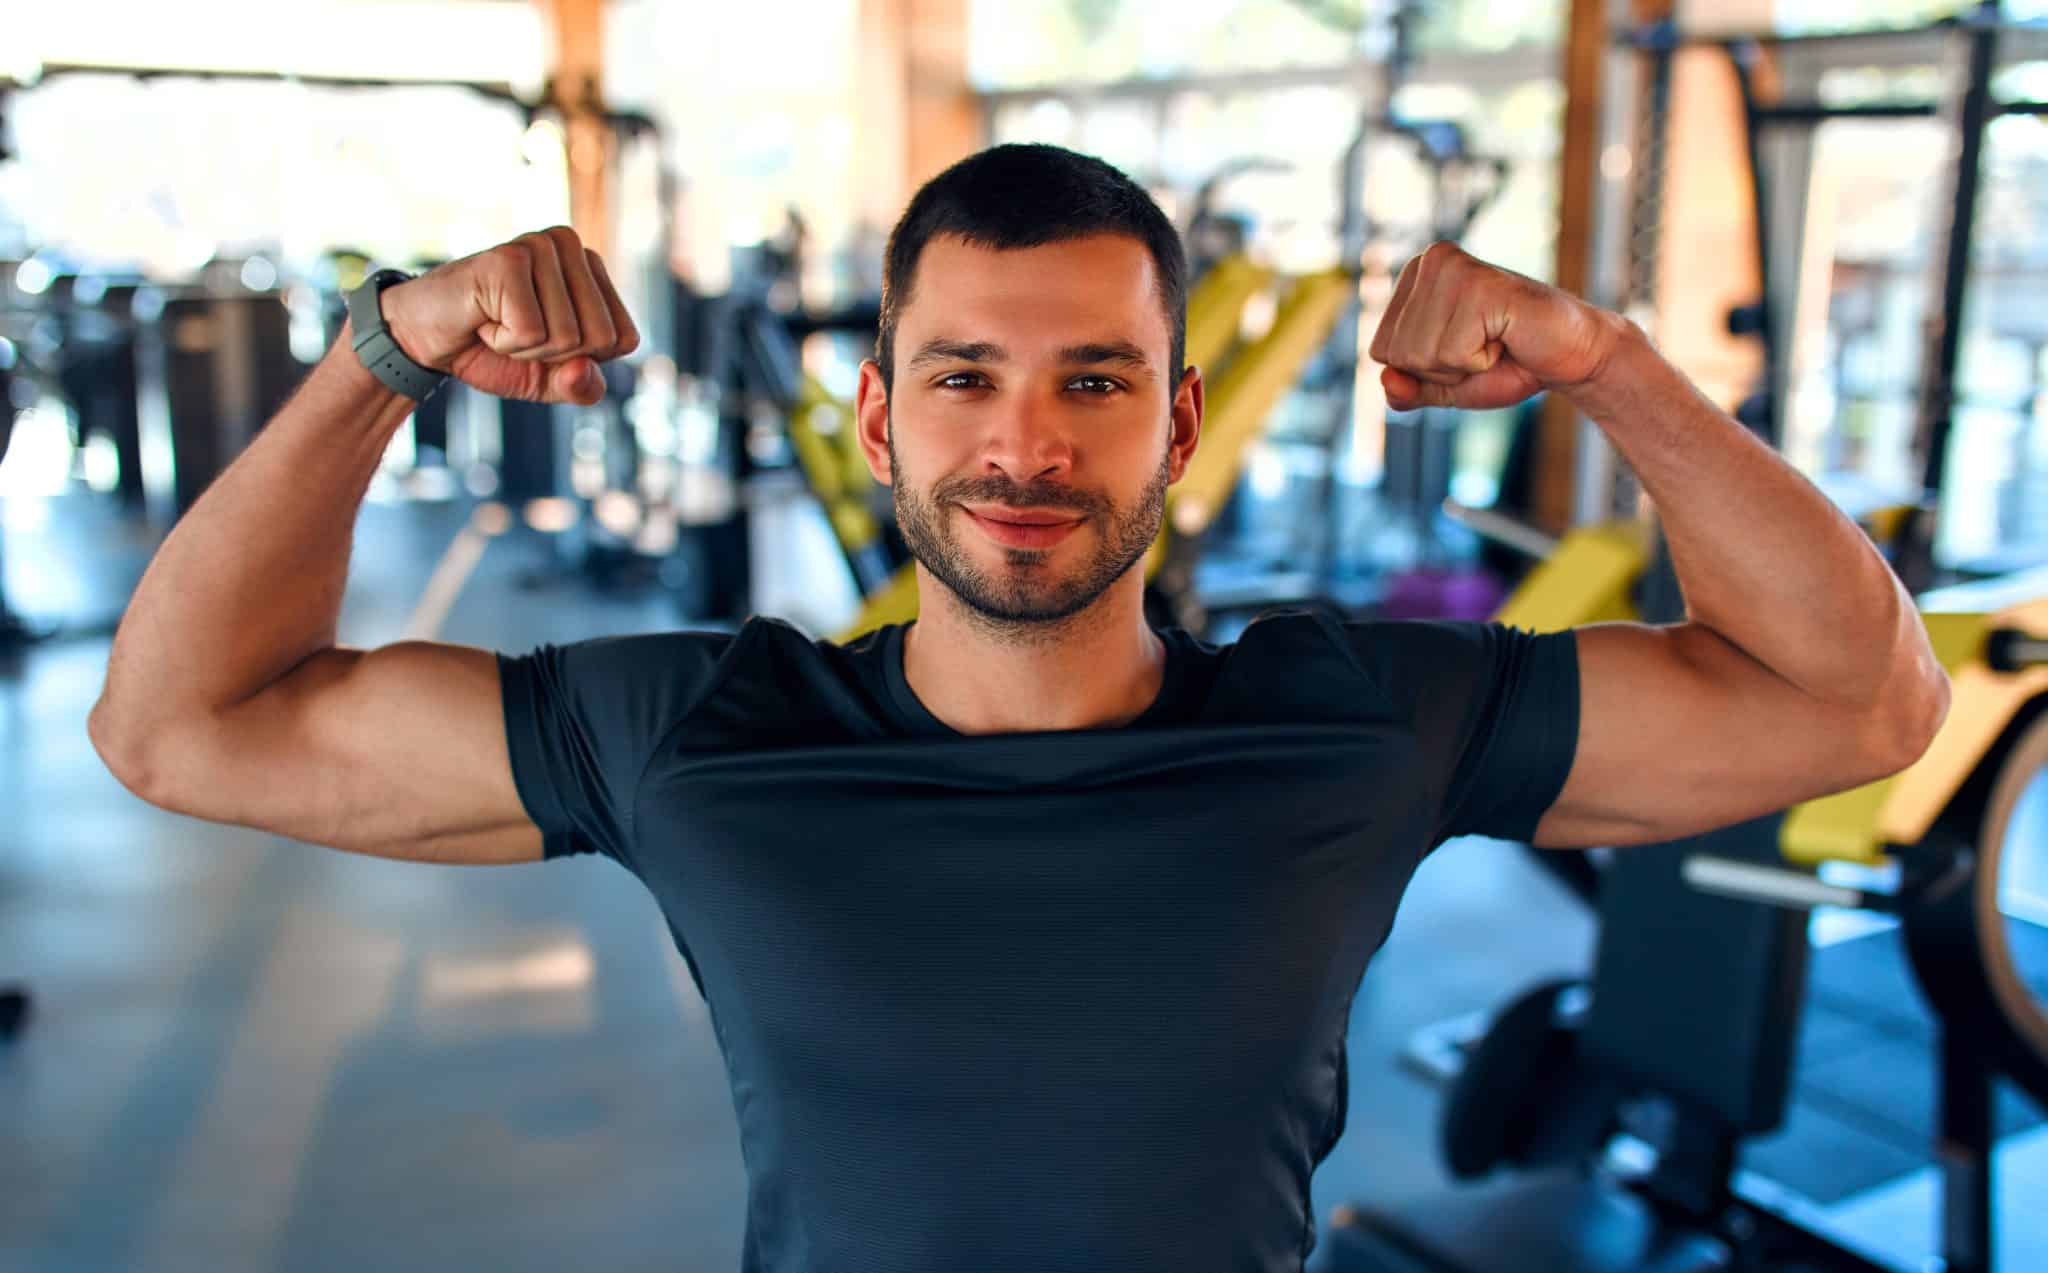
x=1033 y=534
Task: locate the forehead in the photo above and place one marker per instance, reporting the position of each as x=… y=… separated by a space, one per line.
x=1089 y=288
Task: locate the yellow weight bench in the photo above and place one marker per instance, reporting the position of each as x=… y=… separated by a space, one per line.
x=823 y=434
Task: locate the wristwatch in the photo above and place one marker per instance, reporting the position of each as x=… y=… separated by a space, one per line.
x=375 y=347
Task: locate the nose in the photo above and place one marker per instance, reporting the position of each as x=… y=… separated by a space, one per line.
x=1027 y=441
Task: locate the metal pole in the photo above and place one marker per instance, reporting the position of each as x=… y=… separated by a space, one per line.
x=1354 y=231
x=1743 y=55
x=1963 y=1145
x=1967 y=110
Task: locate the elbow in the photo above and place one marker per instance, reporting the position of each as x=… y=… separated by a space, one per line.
x=112 y=746
x=128 y=752
x=1915 y=699
x=1914 y=714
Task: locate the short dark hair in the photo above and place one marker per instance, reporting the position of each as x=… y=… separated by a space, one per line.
x=1025 y=196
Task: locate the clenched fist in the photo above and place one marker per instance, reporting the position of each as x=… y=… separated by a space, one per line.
x=1462 y=333
x=529 y=319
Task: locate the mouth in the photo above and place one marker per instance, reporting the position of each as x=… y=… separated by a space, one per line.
x=1022 y=527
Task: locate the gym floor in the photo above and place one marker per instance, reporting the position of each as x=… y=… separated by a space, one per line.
x=251 y=1054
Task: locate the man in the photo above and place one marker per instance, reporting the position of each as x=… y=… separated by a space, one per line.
x=1030 y=932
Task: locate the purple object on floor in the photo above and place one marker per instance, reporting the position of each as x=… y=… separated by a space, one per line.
x=1442 y=594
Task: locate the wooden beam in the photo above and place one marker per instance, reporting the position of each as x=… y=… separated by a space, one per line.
x=918 y=115
x=1708 y=261
x=576 y=87
x=944 y=117
x=1584 y=61
x=882 y=29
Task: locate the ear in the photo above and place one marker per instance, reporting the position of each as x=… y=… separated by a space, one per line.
x=1187 y=422
x=871 y=418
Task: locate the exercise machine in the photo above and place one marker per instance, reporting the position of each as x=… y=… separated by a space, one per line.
x=1707 y=1045
x=1968 y=49
x=1563 y=1074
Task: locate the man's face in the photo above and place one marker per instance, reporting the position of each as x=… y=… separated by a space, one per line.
x=1033 y=428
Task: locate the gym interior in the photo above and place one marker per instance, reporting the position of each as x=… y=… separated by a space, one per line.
x=1813 y=1041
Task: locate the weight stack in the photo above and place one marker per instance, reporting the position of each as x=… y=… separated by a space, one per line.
x=97 y=369
x=228 y=367
x=533 y=452
x=430 y=428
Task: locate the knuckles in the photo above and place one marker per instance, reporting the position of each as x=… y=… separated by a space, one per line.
x=1440 y=260
x=516 y=255
x=518 y=259
x=1436 y=252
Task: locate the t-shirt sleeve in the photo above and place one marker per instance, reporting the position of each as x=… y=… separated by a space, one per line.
x=1495 y=708
x=583 y=720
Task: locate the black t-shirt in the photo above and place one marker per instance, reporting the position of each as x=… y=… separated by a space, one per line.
x=1066 y=1000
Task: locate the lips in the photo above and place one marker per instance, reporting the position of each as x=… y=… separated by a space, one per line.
x=1020 y=516
x=1043 y=529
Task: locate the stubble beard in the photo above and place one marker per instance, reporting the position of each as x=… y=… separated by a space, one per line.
x=1023 y=604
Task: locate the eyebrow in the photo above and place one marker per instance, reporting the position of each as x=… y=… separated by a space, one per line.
x=956 y=351
x=1119 y=352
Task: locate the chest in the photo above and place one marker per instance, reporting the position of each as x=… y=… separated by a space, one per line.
x=1020 y=874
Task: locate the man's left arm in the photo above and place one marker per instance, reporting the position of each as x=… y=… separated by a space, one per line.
x=1802 y=667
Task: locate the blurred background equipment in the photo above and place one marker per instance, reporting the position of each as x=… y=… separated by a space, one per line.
x=1814 y=1041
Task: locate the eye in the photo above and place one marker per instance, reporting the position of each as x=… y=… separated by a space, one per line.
x=961 y=380
x=1096 y=384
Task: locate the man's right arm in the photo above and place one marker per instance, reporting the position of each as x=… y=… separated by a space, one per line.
x=398 y=752
x=227 y=698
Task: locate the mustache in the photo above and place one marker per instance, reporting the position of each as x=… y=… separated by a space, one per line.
x=997 y=490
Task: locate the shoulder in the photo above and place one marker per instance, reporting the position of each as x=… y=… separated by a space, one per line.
x=1401 y=664
x=632 y=683
x=778 y=685
x=1297 y=665
x=628 y=656
x=1387 y=652
x=1397 y=651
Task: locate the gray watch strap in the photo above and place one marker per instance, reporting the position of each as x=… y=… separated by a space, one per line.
x=375 y=347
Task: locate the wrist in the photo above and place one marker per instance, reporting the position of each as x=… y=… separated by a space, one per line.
x=392 y=301
x=378 y=346
x=357 y=379
x=1625 y=367
x=1614 y=342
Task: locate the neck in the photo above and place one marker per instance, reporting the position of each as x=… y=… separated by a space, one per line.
x=1102 y=667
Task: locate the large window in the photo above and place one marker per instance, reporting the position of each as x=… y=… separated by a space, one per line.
x=160 y=175
x=1996 y=508
x=1098 y=41
x=1810 y=16
x=1095 y=41
x=1867 y=204
x=763 y=127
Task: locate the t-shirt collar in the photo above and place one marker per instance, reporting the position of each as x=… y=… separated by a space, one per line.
x=920 y=721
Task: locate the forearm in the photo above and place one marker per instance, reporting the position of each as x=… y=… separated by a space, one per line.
x=249 y=583
x=1763 y=557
